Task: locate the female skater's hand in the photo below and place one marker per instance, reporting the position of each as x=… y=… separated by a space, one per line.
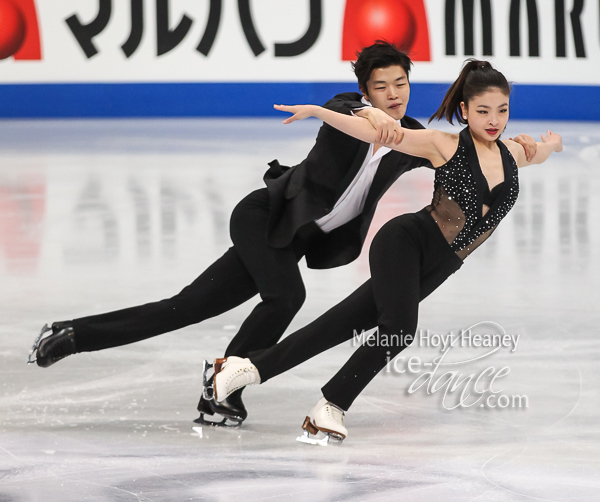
x=300 y=112
x=554 y=140
x=551 y=142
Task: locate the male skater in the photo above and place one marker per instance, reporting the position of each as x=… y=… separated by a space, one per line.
x=320 y=209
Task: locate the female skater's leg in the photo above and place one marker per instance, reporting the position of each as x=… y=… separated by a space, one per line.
x=352 y=315
x=409 y=259
x=395 y=261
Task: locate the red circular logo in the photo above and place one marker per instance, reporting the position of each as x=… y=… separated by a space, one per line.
x=388 y=21
x=402 y=22
x=12 y=29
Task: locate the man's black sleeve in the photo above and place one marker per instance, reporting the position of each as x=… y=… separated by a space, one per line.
x=345 y=102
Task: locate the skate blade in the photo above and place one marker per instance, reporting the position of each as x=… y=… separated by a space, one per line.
x=229 y=422
x=208 y=390
x=325 y=441
x=36 y=344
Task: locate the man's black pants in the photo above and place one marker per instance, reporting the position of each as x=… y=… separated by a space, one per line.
x=249 y=267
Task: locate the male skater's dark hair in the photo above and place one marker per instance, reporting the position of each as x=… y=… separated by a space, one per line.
x=475 y=78
x=381 y=54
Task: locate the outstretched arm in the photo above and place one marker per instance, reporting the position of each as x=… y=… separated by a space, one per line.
x=420 y=143
x=388 y=129
x=551 y=142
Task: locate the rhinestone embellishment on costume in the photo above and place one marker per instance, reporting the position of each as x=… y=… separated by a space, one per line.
x=457 y=179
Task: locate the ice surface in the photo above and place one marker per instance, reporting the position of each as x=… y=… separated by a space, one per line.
x=99 y=215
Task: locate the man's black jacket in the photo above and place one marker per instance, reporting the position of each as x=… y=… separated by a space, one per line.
x=306 y=192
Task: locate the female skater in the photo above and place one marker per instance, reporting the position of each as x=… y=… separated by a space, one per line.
x=476 y=185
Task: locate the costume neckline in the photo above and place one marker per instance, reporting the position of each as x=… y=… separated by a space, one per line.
x=481 y=182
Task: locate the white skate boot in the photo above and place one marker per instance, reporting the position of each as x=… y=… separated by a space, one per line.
x=325 y=418
x=231 y=373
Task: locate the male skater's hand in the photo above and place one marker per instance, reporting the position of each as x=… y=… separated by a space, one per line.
x=528 y=143
x=388 y=129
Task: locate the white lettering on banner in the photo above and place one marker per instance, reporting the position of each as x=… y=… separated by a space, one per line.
x=533 y=41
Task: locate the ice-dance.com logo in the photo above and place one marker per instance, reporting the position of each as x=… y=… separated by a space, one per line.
x=462 y=377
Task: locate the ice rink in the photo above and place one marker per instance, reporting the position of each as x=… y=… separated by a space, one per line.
x=100 y=215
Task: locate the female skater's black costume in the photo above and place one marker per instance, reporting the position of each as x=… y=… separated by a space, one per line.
x=410 y=257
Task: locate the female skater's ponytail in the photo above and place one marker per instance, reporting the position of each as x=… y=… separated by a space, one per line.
x=475 y=78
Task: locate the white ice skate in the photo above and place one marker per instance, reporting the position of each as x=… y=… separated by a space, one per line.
x=327 y=420
x=230 y=374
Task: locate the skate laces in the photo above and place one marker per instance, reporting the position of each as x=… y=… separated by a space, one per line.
x=335 y=413
x=243 y=373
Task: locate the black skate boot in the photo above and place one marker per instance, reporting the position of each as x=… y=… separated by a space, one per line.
x=231 y=409
x=51 y=348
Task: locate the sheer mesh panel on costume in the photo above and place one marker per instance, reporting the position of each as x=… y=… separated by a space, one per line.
x=447 y=214
x=451 y=220
x=463 y=253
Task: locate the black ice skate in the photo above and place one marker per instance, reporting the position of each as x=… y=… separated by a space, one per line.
x=232 y=411
x=50 y=348
x=208 y=377
x=227 y=401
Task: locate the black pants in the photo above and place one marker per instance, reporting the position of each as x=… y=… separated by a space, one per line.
x=409 y=259
x=251 y=266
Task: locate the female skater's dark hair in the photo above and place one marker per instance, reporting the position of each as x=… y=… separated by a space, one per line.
x=381 y=54
x=475 y=78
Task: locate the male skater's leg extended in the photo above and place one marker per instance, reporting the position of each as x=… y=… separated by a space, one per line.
x=222 y=286
x=250 y=266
